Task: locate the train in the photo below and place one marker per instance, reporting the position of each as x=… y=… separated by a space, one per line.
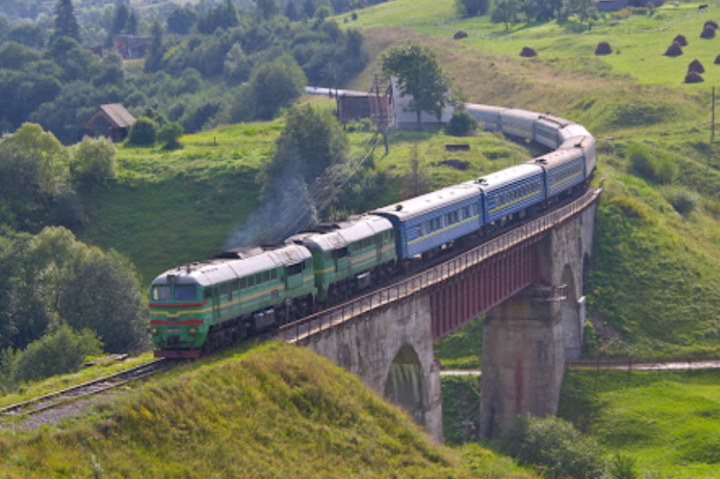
x=205 y=305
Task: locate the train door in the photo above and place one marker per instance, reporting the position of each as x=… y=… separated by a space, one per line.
x=294 y=277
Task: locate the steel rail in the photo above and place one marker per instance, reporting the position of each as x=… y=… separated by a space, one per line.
x=79 y=391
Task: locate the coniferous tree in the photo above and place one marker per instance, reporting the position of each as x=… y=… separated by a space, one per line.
x=66 y=24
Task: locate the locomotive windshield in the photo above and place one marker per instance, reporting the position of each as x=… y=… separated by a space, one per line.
x=185 y=292
x=160 y=293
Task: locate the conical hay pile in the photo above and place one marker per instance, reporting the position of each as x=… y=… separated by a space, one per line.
x=693 y=77
x=717 y=60
x=711 y=23
x=603 y=48
x=673 y=50
x=708 y=32
x=528 y=52
x=682 y=41
x=696 y=66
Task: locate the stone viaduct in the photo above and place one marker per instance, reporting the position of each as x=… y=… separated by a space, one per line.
x=528 y=283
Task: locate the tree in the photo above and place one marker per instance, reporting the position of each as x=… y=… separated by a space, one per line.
x=275 y=85
x=33 y=172
x=419 y=75
x=62 y=351
x=93 y=162
x=156 y=51
x=506 y=11
x=170 y=134
x=290 y=12
x=143 y=132
x=66 y=24
x=267 y=9
x=181 y=21
x=122 y=13
x=472 y=8
x=237 y=67
x=584 y=9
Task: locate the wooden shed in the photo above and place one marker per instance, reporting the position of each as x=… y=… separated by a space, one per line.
x=111 y=120
x=358 y=105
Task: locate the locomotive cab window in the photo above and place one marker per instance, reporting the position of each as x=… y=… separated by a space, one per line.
x=295 y=269
x=341 y=253
x=208 y=293
x=185 y=292
x=161 y=293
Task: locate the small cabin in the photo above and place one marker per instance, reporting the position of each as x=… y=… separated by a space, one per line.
x=130 y=46
x=112 y=121
x=358 y=105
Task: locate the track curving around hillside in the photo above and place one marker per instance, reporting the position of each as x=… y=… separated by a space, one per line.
x=65 y=396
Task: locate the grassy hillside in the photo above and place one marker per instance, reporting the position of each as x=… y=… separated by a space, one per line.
x=276 y=411
x=666 y=421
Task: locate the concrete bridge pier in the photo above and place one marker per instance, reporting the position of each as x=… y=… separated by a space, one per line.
x=523 y=358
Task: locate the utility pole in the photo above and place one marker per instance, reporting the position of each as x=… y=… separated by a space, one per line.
x=712 y=130
x=379 y=112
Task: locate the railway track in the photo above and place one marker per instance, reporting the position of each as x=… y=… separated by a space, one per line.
x=91 y=388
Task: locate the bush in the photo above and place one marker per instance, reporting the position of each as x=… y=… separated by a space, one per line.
x=682 y=200
x=554 y=445
x=59 y=352
x=93 y=162
x=143 y=132
x=170 y=134
x=472 y=8
x=651 y=164
x=461 y=123
x=623 y=467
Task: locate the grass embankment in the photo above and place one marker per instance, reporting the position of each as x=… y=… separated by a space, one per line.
x=666 y=421
x=275 y=411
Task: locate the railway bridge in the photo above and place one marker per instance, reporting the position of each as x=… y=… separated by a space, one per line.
x=527 y=282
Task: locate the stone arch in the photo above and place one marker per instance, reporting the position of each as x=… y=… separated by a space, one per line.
x=405 y=384
x=570 y=316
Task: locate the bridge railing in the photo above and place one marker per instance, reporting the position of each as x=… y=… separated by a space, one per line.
x=338 y=315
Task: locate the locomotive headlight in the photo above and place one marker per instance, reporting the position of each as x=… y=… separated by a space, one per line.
x=152 y=330
x=193 y=330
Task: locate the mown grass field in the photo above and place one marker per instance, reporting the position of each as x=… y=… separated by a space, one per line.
x=667 y=421
x=273 y=411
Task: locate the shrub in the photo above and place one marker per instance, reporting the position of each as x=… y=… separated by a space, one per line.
x=170 y=134
x=682 y=200
x=60 y=352
x=651 y=164
x=623 y=467
x=472 y=8
x=93 y=162
x=461 y=123
x=143 y=132
x=554 y=445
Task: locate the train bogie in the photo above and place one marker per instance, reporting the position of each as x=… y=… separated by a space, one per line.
x=510 y=191
x=488 y=116
x=429 y=222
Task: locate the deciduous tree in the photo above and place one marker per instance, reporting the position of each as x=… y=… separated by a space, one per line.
x=420 y=75
x=472 y=8
x=506 y=11
x=93 y=162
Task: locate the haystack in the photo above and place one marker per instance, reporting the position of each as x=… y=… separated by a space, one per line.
x=673 y=50
x=459 y=35
x=681 y=40
x=717 y=60
x=528 y=52
x=708 y=32
x=696 y=66
x=603 y=48
x=693 y=77
x=711 y=23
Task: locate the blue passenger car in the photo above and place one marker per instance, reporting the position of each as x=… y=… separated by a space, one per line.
x=563 y=169
x=488 y=116
x=432 y=220
x=547 y=130
x=511 y=190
